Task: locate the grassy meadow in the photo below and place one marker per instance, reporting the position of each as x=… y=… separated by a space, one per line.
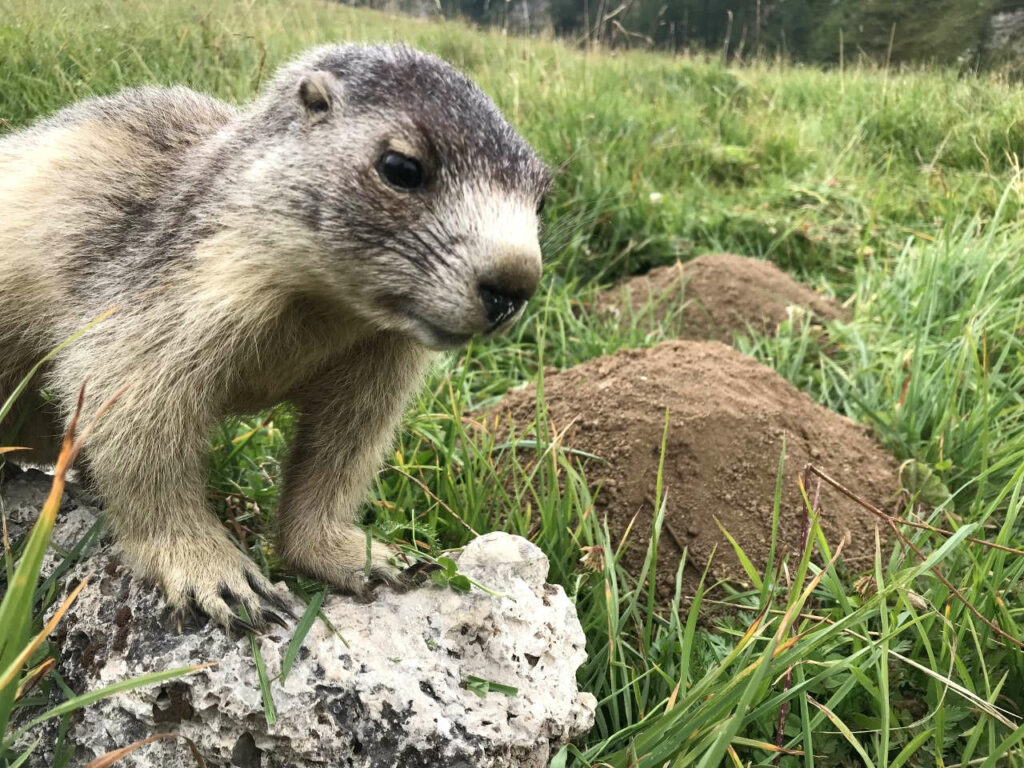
x=898 y=190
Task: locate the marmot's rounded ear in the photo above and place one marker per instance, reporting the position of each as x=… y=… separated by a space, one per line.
x=318 y=94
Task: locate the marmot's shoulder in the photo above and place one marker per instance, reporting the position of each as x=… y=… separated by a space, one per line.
x=166 y=117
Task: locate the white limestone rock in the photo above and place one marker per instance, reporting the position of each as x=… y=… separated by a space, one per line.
x=387 y=691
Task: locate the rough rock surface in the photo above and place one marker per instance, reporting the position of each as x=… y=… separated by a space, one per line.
x=386 y=690
x=22 y=494
x=728 y=418
x=718 y=295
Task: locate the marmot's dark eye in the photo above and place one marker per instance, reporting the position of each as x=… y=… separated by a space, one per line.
x=540 y=205
x=401 y=171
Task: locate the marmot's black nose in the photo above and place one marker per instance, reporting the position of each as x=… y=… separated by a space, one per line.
x=499 y=305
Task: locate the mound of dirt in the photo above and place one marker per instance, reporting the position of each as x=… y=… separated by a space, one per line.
x=728 y=416
x=719 y=295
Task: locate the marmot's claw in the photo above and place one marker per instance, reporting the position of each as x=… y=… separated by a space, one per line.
x=259 y=616
x=273 y=618
x=400 y=581
x=243 y=627
x=417 y=573
x=368 y=593
x=219 y=591
x=271 y=597
x=192 y=617
x=234 y=601
x=186 y=617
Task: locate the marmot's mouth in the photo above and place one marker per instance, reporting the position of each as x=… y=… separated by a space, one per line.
x=506 y=323
x=434 y=336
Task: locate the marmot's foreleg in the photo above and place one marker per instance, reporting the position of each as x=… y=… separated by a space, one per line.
x=148 y=458
x=349 y=415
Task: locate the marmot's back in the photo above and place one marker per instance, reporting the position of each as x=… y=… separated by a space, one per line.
x=73 y=187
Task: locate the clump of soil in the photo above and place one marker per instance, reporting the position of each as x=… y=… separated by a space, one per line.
x=728 y=416
x=719 y=295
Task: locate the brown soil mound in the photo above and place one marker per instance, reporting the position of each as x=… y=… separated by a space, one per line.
x=728 y=415
x=719 y=295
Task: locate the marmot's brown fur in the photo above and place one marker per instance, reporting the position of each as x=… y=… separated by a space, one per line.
x=371 y=206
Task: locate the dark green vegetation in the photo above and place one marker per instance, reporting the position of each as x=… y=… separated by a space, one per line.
x=961 y=33
x=952 y=32
x=901 y=190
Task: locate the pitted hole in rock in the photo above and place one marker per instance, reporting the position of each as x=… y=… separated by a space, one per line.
x=88 y=653
x=531 y=659
x=428 y=689
x=245 y=753
x=173 y=704
x=122 y=620
x=109 y=586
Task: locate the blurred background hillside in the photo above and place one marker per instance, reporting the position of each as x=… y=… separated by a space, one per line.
x=975 y=34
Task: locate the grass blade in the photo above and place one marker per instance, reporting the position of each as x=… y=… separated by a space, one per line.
x=845 y=730
x=109 y=759
x=301 y=630
x=269 y=710
x=105 y=693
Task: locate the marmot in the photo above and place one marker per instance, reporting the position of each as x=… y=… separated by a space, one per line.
x=371 y=206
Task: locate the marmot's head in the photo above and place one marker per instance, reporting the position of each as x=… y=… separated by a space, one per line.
x=421 y=199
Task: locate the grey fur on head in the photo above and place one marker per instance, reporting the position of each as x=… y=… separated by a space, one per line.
x=372 y=204
x=450 y=233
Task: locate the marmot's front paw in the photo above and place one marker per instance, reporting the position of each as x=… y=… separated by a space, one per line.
x=349 y=575
x=340 y=561
x=209 y=575
x=399 y=580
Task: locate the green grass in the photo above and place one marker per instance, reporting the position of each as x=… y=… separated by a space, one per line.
x=898 y=189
